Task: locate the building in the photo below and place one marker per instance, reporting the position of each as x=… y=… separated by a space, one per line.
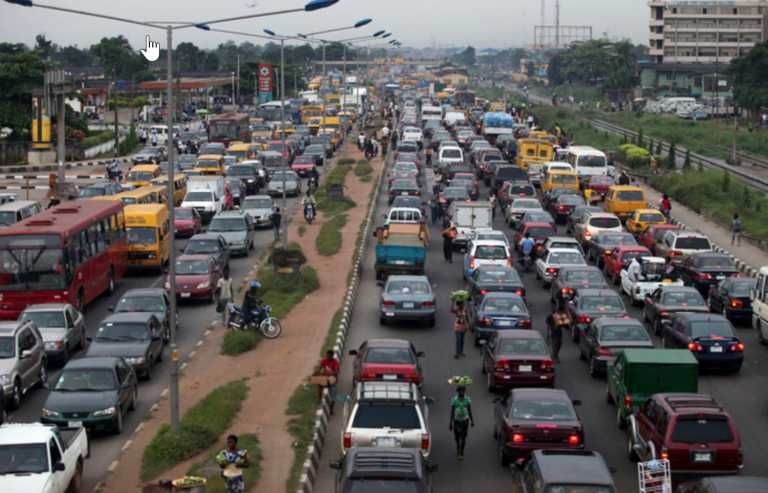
x=706 y=31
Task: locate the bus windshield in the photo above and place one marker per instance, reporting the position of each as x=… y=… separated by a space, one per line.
x=141 y=236
x=32 y=262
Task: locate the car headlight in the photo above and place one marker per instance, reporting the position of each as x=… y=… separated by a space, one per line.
x=105 y=412
x=47 y=413
x=138 y=360
x=204 y=285
x=52 y=345
x=151 y=255
x=251 y=180
x=5 y=379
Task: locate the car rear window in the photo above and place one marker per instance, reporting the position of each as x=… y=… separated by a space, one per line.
x=714 y=262
x=380 y=415
x=605 y=222
x=741 y=289
x=651 y=217
x=631 y=195
x=602 y=303
x=407 y=287
x=564 y=179
x=583 y=275
x=491 y=252
x=686 y=298
x=522 y=346
x=692 y=243
x=697 y=429
x=616 y=240
x=506 y=305
x=451 y=153
x=543 y=410
x=498 y=276
x=624 y=333
x=566 y=258
x=718 y=328
x=389 y=355
x=540 y=232
x=526 y=204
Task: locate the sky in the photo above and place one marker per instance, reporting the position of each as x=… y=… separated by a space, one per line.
x=416 y=23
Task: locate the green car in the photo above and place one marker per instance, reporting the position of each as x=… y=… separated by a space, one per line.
x=637 y=374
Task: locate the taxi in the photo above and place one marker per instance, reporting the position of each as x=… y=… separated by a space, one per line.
x=642 y=219
x=210 y=164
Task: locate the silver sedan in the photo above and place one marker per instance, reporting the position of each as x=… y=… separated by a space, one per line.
x=407 y=298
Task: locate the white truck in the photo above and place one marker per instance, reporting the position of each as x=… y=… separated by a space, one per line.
x=452 y=118
x=205 y=194
x=41 y=458
x=650 y=279
x=759 y=298
x=469 y=217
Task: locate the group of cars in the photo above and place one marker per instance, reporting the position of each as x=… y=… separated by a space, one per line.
x=691 y=298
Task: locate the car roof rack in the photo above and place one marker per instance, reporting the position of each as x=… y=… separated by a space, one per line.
x=697 y=400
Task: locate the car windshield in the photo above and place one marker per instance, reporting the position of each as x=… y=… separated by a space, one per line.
x=631 y=195
x=543 y=410
x=121 y=331
x=526 y=204
x=571 y=200
x=7 y=347
x=200 y=196
x=538 y=217
x=404 y=185
x=46 y=319
x=709 y=262
x=491 y=252
x=257 y=204
x=692 y=243
x=389 y=356
x=393 y=416
x=202 y=246
x=135 y=303
x=651 y=218
x=451 y=153
x=81 y=380
x=140 y=176
x=623 y=333
x=566 y=258
x=742 y=288
x=682 y=298
x=191 y=267
x=23 y=459
x=183 y=213
x=141 y=236
x=702 y=429
x=523 y=346
x=87 y=192
x=498 y=304
x=240 y=171
x=601 y=303
x=382 y=485
x=497 y=276
x=718 y=328
x=408 y=287
x=605 y=222
x=224 y=224
x=592 y=161
x=583 y=275
x=540 y=232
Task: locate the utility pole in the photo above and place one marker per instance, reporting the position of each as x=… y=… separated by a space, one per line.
x=237 y=102
x=557 y=24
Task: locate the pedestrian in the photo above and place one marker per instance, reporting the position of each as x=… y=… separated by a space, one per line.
x=231 y=460
x=435 y=206
x=623 y=178
x=361 y=141
x=665 y=206
x=492 y=200
x=460 y=326
x=225 y=295
x=329 y=367
x=558 y=321
x=736 y=228
x=276 y=219
x=449 y=234
x=154 y=137
x=461 y=419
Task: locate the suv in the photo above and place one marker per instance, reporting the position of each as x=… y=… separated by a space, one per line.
x=566 y=470
x=237 y=229
x=387 y=414
x=676 y=245
x=693 y=431
x=22 y=361
x=374 y=468
x=595 y=222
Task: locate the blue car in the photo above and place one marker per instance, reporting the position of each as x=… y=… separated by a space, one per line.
x=498 y=311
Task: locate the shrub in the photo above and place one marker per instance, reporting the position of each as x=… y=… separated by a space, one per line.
x=672 y=156
x=239 y=341
x=634 y=156
x=726 y=184
x=328 y=241
x=687 y=161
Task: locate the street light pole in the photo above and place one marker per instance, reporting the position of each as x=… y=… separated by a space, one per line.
x=344 y=81
x=282 y=136
x=325 y=67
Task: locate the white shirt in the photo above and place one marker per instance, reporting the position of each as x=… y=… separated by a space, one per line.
x=385 y=131
x=634 y=271
x=225 y=288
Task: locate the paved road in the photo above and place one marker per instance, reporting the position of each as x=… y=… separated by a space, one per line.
x=742 y=394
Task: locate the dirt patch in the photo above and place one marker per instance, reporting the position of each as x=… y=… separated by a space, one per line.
x=274 y=368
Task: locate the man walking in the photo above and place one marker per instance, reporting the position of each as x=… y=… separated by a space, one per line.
x=226 y=295
x=460 y=326
x=449 y=234
x=736 y=229
x=461 y=418
x=557 y=322
x=276 y=219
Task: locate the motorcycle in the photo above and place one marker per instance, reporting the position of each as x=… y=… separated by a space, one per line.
x=527 y=263
x=114 y=175
x=309 y=213
x=260 y=319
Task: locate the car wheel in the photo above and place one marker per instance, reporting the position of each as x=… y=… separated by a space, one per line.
x=489 y=382
x=503 y=459
x=574 y=333
x=15 y=396
x=134 y=398
x=42 y=376
x=431 y=322
x=631 y=454
x=111 y=283
x=483 y=370
x=83 y=342
x=382 y=321
x=592 y=367
x=119 y=424
x=148 y=373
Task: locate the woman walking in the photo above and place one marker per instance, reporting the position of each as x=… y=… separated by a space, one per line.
x=461 y=417
x=460 y=326
x=232 y=460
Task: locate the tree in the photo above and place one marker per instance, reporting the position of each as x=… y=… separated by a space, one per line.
x=640 y=138
x=189 y=58
x=672 y=156
x=73 y=57
x=749 y=75
x=466 y=57
x=596 y=63
x=44 y=48
x=21 y=71
x=687 y=161
x=118 y=59
x=726 y=183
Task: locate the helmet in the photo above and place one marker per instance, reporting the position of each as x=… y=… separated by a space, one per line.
x=254 y=284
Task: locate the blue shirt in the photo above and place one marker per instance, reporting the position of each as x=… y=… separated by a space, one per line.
x=527 y=246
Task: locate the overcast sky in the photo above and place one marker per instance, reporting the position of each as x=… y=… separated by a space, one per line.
x=417 y=23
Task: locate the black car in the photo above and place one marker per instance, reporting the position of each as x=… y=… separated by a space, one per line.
x=725 y=484
x=705 y=269
x=403 y=186
x=731 y=297
x=708 y=336
x=588 y=305
x=97 y=392
x=210 y=244
x=572 y=278
x=552 y=470
x=507 y=173
x=553 y=194
x=494 y=278
x=606 y=337
x=498 y=311
x=147 y=300
x=248 y=175
x=449 y=194
x=562 y=207
x=667 y=300
x=136 y=337
x=380 y=469
x=317 y=151
x=604 y=243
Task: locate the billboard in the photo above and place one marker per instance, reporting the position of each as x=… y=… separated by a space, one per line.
x=265 y=82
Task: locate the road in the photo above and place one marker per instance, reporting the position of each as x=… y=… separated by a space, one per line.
x=194 y=319
x=743 y=395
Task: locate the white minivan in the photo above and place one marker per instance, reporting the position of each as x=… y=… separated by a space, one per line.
x=587 y=161
x=450 y=155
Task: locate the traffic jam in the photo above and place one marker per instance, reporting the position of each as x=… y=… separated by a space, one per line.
x=85 y=292
x=529 y=322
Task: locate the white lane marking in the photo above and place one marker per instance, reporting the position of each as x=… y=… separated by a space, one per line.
x=127 y=445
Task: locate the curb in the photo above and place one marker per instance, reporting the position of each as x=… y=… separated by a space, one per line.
x=309 y=470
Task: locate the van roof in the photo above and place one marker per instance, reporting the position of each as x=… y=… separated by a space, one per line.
x=660 y=356
x=17 y=204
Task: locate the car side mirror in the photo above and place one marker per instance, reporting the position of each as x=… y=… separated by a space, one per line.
x=335 y=464
x=111 y=308
x=59 y=467
x=352 y=352
x=576 y=402
x=26 y=353
x=420 y=354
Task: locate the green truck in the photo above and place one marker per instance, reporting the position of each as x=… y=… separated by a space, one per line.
x=637 y=374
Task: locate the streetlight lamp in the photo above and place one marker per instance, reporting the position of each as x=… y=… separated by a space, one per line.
x=360 y=23
x=169 y=27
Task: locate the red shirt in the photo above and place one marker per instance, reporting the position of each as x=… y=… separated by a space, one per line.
x=329 y=366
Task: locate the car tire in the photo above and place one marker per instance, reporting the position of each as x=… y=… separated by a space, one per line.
x=111 y=282
x=431 y=322
x=118 y=429
x=42 y=376
x=83 y=341
x=489 y=382
x=134 y=398
x=502 y=458
x=15 y=400
x=621 y=423
x=382 y=321
x=148 y=373
x=592 y=367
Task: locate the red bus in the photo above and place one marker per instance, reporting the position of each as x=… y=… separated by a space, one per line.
x=229 y=127
x=71 y=253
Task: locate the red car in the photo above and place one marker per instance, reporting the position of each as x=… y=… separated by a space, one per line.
x=303 y=165
x=196 y=277
x=277 y=146
x=619 y=258
x=599 y=185
x=532 y=419
x=539 y=232
x=187 y=222
x=654 y=234
x=387 y=359
x=517 y=358
x=693 y=431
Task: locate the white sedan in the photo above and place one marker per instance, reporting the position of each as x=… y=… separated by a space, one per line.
x=413 y=134
x=550 y=263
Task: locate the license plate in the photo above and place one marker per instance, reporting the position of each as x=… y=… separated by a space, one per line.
x=702 y=457
x=74 y=424
x=716 y=349
x=389 y=314
x=504 y=323
x=186 y=295
x=525 y=368
x=385 y=442
x=399 y=262
x=407 y=305
x=389 y=377
x=719 y=278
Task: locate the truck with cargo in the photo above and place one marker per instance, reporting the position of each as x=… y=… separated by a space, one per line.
x=497 y=123
x=401 y=249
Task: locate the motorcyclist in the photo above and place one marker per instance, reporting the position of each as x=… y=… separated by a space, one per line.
x=526 y=246
x=251 y=301
x=113 y=170
x=309 y=203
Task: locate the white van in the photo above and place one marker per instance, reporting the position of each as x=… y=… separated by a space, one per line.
x=760 y=304
x=469 y=217
x=13 y=212
x=450 y=155
x=431 y=113
x=587 y=161
x=451 y=118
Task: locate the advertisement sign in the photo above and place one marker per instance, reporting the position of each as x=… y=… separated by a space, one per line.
x=265 y=82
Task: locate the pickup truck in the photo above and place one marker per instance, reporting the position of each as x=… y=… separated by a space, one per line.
x=42 y=458
x=401 y=249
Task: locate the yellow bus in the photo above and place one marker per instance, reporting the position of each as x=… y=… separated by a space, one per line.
x=210 y=164
x=179 y=186
x=532 y=151
x=332 y=99
x=240 y=150
x=310 y=111
x=159 y=193
x=149 y=235
x=131 y=197
x=141 y=174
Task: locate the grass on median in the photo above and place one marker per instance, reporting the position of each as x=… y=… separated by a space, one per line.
x=337 y=176
x=212 y=472
x=363 y=169
x=201 y=427
x=301 y=411
x=328 y=240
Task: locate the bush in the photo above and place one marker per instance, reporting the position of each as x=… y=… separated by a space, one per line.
x=98 y=139
x=283 y=292
x=239 y=341
x=363 y=169
x=672 y=156
x=200 y=427
x=634 y=156
x=328 y=241
x=210 y=470
x=687 y=160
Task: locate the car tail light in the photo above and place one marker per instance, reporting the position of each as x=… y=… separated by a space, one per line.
x=602 y=351
x=738 y=347
x=561 y=208
x=518 y=438
x=663 y=313
x=695 y=347
x=547 y=365
x=737 y=304
x=471 y=262
x=664 y=455
x=553 y=271
x=347 y=440
x=388 y=303
x=483 y=292
x=424 y=441
x=502 y=364
x=485 y=321
x=428 y=304
x=628 y=401
x=524 y=324
x=520 y=292
x=574 y=439
x=675 y=253
x=566 y=292
x=703 y=276
x=583 y=319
